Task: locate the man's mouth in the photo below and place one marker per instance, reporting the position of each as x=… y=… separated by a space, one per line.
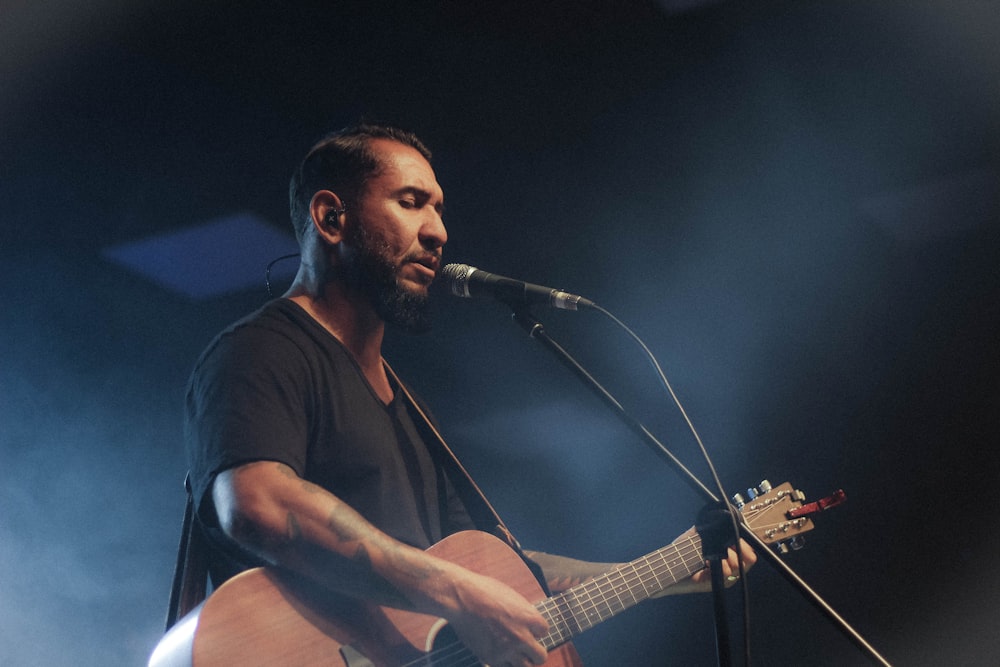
x=432 y=262
x=428 y=264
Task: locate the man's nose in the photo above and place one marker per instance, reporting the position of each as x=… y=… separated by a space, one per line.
x=433 y=233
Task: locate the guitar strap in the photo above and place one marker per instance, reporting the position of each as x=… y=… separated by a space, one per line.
x=480 y=510
x=191 y=571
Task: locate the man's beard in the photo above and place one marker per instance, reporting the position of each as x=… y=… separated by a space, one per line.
x=371 y=271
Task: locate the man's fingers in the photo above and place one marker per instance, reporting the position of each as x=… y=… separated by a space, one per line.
x=749 y=555
x=539 y=656
x=731 y=566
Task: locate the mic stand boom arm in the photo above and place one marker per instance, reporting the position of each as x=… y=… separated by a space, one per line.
x=536 y=331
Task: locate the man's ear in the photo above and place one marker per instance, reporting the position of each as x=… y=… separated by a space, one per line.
x=327 y=212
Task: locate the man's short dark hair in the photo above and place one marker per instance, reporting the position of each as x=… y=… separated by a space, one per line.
x=341 y=162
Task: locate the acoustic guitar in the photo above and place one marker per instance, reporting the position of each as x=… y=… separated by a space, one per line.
x=267 y=616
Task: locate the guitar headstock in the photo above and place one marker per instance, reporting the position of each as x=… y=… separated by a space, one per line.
x=770 y=514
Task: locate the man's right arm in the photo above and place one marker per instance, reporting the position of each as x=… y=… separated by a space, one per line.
x=268 y=509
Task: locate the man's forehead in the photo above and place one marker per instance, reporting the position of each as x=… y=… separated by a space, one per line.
x=400 y=162
x=393 y=153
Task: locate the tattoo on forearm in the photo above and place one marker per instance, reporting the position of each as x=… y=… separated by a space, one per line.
x=254 y=535
x=386 y=590
x=341 y=522
x=414 y=571
x=362 y=558
x=293 y=531
x=286 y=471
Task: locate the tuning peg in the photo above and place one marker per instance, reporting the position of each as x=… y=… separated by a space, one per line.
x=752 y=493
x=739 y=501
x=791 y=544
x=764 y=487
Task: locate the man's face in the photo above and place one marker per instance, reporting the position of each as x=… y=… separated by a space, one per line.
x=396 y=235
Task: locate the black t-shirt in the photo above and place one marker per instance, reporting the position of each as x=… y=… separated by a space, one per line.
x=277 y=386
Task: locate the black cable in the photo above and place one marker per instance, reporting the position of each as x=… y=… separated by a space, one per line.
x=267 y=271
x=711 y=467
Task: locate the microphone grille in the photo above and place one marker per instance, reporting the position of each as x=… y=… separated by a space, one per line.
x=456 y=277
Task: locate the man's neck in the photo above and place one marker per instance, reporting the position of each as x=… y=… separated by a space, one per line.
x=351 y=321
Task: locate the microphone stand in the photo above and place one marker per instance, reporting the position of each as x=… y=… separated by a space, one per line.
x=714 y=526
x=535 y=330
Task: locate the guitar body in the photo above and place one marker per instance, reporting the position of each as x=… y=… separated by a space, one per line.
x=268 y=617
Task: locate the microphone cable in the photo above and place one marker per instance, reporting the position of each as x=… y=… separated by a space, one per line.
x=708 y=460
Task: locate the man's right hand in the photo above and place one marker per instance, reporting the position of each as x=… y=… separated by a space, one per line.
x=496 y=622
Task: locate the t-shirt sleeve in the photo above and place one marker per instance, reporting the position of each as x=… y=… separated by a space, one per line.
x=248 y=400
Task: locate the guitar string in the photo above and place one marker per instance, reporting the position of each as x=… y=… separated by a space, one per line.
x=654 y=571
x=652 y=568
x=606 y=591
x=446 y=656
x=685 y=553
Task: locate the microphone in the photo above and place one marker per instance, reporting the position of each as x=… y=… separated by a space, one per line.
x=469 y=282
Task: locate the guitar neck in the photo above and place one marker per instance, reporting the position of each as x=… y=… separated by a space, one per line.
x=582 y=607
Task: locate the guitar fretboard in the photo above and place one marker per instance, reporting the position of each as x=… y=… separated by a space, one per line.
x=582 y=607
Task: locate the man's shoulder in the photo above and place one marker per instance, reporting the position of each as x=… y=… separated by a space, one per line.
x=277 y=319
x=275 y=329
x=280 y=331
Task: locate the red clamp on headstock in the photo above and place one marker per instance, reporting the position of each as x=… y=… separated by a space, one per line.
x=837 y=498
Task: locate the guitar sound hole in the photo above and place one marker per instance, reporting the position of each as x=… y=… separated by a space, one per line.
x=448 y=651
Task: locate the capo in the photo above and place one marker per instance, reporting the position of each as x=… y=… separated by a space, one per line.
x=820 y=505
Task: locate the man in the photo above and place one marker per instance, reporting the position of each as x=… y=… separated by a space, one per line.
x=303 y=452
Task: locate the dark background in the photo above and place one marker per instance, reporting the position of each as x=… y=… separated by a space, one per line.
x=794 y=204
